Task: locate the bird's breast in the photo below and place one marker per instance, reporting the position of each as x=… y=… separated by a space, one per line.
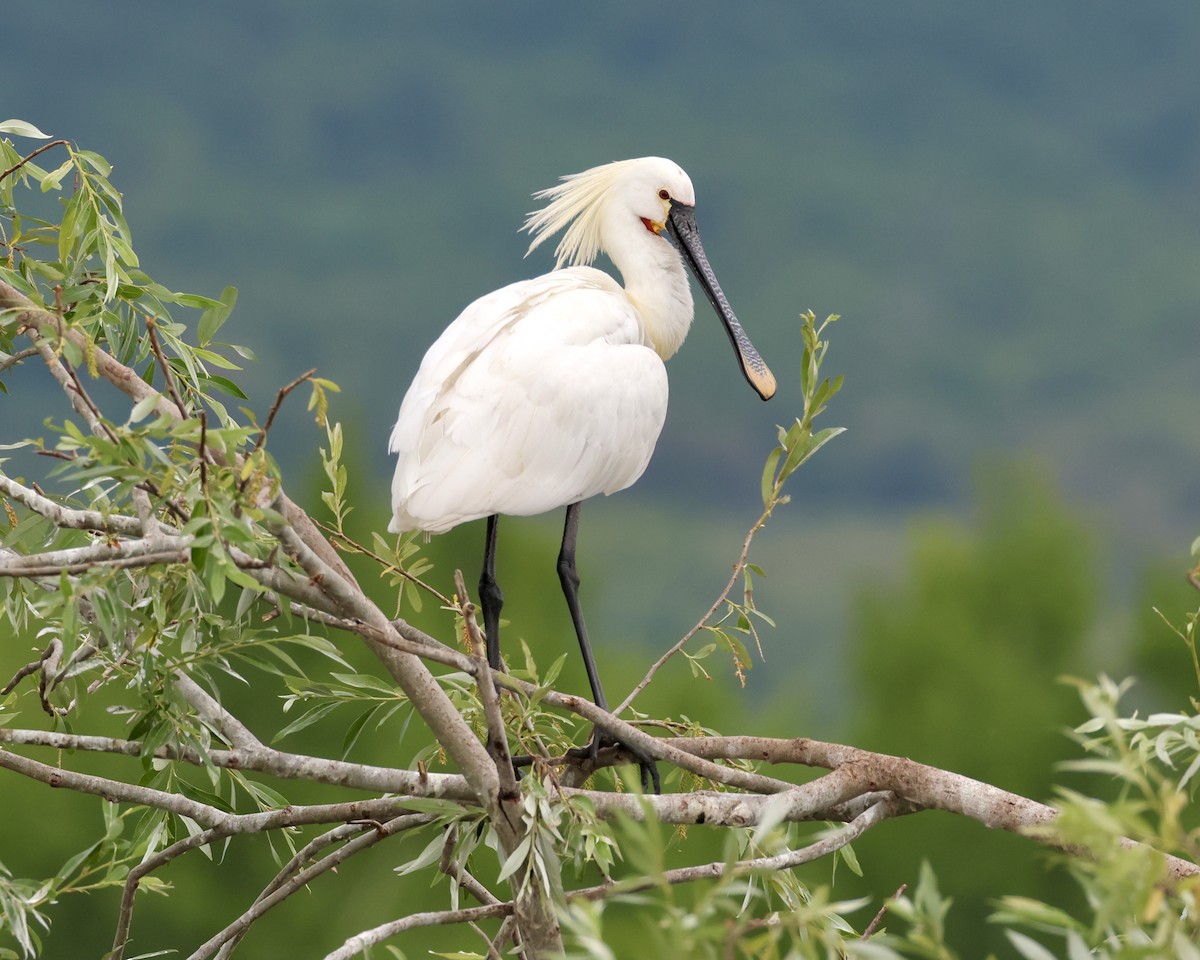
x=558 y=399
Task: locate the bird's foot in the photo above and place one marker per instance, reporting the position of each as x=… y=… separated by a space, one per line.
x=588 y=759
x=646 y=765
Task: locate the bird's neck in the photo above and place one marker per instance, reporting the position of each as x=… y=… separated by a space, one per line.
x=657 y=284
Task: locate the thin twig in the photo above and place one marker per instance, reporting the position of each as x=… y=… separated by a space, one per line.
x=361 y=941
x=279 y=397
x=388 y=567
x=168 y=377
x=874 y=924
x=202 y=453
x=42 y=149
x=164 y=856
x=492 y=952
x=289 y=869
x=260 y=906
x=738 y=568
x=13 y=359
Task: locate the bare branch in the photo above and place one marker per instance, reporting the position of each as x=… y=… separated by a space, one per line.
x=47 y=666
x=216 y=716
x=368 y=938
x=655 y=747
x=926 y=786
x=68 y=518
x=284 y=886
x=42 y=149
x=279 y=397
x=81 y=403
x=125 y=914
x=407 y=669
x=168 y=376
x=874 y=924
x=12 y=359
x=127 y=553
x=261 y=759
x=207 y=816
x=787 y=860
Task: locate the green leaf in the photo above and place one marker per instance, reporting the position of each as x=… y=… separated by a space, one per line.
x=1029 y=948
x=95 y=161
x=197 y=301
x=143 y=408
x=431 y=854
x=227 y=385
x=768 y=476
x=516 y=859
x=305 y=720
x=212 y=318
x=22 y=129
x=356 y=728
x=851 y=860
x=53 y=179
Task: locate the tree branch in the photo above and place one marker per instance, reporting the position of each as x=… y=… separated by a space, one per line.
x=42 y=149
x=368 y=938
x=65 y=517
x=125 y=553
x=262 y=759
x=116 y=791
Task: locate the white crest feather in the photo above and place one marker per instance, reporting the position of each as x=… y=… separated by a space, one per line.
x=576 y=204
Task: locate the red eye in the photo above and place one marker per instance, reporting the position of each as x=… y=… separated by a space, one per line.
x=663 y=195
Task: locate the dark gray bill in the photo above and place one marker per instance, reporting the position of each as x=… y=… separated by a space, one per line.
x=681 y=225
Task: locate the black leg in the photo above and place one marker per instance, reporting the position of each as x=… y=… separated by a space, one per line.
x=569 y=577
x=490 y=597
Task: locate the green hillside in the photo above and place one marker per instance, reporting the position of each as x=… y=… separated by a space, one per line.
x=1000 y=200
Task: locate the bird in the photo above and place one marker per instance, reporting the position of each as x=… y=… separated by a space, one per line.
x=552 y=390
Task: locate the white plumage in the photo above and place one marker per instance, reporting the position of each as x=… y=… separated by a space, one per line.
x=539 y=395
x=552 y=390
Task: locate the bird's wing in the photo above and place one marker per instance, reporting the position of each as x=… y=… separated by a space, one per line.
x=557 y=401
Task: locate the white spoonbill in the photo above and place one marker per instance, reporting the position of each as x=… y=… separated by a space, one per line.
x=552 y=390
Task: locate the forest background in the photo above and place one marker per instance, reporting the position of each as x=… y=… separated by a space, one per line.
x=1000 y=201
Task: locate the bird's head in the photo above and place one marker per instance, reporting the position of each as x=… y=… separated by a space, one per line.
x=648 y=189
x=605 y=203
x=614 y=195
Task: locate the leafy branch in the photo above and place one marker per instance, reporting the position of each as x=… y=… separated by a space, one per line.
x=796 y=445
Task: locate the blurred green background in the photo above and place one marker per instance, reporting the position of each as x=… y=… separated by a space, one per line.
x=1001 y=201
